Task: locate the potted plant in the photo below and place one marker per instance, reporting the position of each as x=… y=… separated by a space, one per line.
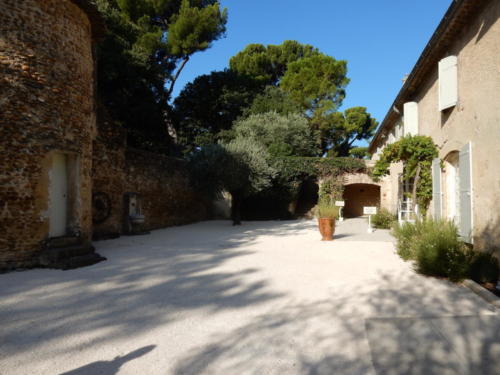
x=326 y=215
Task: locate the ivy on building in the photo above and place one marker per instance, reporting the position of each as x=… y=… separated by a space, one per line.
x=416 y=153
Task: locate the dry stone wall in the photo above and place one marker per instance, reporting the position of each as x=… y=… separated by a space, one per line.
x=162 y=183
x=46 y=106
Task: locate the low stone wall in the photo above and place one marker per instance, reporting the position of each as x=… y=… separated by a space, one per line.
x=161 y=181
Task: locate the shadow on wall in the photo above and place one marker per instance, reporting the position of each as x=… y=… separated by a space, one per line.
x=110 y=367
x=489 y=238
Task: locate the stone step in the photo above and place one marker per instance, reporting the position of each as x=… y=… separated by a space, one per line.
x=80 y=261
x=58 y=254
x=64 y=241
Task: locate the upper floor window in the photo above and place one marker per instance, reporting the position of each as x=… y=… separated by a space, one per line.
x=448 y=90
x=410 y=114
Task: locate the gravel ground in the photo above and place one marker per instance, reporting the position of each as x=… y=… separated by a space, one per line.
x=263 y=298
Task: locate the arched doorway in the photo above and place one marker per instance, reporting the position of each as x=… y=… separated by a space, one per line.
x=357 y=196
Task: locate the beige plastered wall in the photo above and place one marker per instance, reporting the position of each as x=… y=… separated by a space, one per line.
x=475 y=118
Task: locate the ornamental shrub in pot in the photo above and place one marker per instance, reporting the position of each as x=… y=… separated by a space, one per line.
x=326 y=215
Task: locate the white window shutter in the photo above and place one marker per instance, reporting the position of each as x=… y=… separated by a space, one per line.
x=410 y=110
x=465 y=182
x=436 y=188
x=448 y=89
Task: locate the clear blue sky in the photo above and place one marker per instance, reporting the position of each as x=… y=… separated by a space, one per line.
x=380 y=39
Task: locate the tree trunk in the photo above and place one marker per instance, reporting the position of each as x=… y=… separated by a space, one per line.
x=169 y=125
x=236 y=208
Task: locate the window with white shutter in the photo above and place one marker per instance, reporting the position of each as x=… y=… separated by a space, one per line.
x=436 y=188
x=465 y=182
x=448 y=90
x=410 y=110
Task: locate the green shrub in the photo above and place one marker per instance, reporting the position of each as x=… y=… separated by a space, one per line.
x=406 y=235
x=383 y=219
x=439 y=252
x=484 y=268
x=326 y=211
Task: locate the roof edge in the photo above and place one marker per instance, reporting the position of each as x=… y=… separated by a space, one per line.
x=422 y=64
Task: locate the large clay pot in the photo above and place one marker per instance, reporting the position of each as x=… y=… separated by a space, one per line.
x=326 y=228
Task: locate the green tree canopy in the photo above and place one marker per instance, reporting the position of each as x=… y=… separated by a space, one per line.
x=341 y=130
x=281 y=135
x=210 y=104
x=147 y=44
x=241 y=167
x=317 y=82
x=269 y=63
x=273 y=99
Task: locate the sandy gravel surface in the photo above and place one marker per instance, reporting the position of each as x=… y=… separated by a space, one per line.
x=263 y=298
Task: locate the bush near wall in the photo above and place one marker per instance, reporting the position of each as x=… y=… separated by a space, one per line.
x=295 y=167
x=436 y=248
x=383 y=219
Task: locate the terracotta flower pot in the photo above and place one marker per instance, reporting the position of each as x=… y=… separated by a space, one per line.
x=326 y=228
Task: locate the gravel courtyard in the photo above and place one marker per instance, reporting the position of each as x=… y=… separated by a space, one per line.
x=263 y=298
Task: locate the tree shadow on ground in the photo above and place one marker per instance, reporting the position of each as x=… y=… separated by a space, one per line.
x=410 y=329
x=146 y=282
x=110 y=367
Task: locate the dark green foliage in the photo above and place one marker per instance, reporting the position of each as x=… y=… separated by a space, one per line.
x=317 y=82
x=194 y=28
x=359 y=152
x=147 y=44
x=302 y=167
x=340 y=130
x=383 y=219
x=405 y=235
x=484 y=268
x=240 y=166
x=207 y=107
x=416 y=153
x=435 y=247
x=269 y=64
x=440 y=252
x=273 y=99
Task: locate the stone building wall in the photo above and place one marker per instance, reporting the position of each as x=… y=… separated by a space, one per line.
x=46 y=106
x=475 y=118
x=161 y=182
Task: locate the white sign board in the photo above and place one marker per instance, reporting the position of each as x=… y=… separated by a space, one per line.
x=369 y=210
x=339 y=203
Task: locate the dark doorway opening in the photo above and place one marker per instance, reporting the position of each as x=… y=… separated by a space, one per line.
x=308 y=197
x=357 y=196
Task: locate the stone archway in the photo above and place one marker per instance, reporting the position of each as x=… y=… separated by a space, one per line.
x=359 y=195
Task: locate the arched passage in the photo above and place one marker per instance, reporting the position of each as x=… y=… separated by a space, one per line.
x=357 y=196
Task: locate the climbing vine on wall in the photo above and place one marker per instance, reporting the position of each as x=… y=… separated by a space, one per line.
x=416 y=153
x=292 y=171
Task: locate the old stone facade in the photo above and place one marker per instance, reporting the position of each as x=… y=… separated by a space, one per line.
x=452 y=95
x=53 y=156
x=47 y=105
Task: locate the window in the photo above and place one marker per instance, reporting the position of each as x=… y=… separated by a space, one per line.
x=410 y=110
x=448 y=90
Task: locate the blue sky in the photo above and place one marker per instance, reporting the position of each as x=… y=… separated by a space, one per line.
x=381 y=40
